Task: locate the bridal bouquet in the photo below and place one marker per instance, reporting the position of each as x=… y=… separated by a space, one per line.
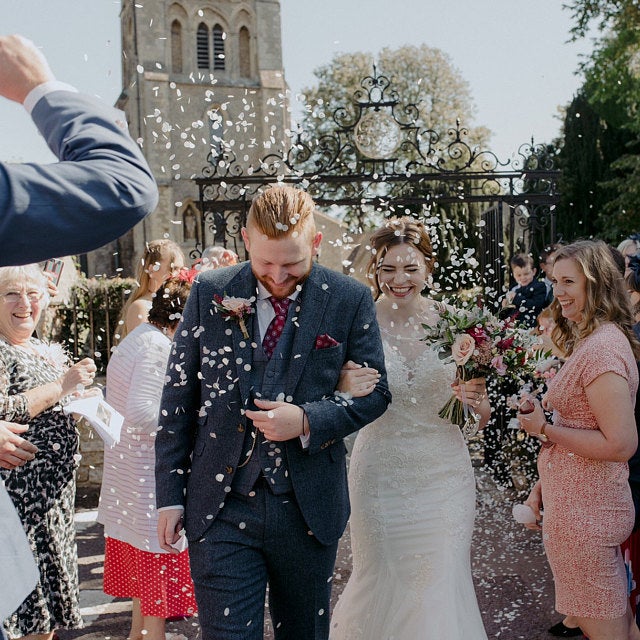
x=480 y=345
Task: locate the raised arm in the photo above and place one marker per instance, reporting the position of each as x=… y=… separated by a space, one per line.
x=102 y=185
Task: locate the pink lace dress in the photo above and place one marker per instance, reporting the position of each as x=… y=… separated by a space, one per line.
x=588 y=510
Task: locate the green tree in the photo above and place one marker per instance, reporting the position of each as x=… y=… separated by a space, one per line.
x=601 y=133
x=420 y=75
x=589 y=147
x=603 y=14
x=612 y=79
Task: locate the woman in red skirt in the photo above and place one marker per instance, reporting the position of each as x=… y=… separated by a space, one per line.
x=135 y=566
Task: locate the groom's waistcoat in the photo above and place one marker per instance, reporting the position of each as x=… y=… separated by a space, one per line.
x=267 y=382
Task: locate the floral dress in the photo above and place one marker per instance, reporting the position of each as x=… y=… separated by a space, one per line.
x=43 y=492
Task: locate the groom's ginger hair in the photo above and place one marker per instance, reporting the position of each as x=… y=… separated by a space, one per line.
x=282 y=211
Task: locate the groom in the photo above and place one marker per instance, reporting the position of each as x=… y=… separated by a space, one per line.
x=250 y=443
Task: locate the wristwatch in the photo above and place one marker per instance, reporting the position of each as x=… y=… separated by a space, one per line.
x=542 y=436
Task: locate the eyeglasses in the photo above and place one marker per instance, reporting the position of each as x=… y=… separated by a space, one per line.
x=15 y=296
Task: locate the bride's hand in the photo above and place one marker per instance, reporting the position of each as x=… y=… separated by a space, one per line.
x=356 y=380
x=471 y=392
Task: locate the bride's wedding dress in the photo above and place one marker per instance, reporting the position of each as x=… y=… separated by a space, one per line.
x=413 y=507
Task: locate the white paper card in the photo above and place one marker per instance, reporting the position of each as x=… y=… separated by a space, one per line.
x=101 y=416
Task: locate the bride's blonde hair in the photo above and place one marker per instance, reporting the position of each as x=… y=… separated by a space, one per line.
x=397 y=231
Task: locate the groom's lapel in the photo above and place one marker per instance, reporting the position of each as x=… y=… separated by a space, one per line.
x=309 y=311
x=243 y=286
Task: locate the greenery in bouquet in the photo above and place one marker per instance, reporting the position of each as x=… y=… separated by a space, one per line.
x=480 y=345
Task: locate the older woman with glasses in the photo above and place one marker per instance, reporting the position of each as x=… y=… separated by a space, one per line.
x=34 y=380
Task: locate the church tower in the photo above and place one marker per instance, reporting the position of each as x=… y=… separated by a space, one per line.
x=200 y=77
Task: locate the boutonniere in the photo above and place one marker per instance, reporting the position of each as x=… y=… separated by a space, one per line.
x=237 y=308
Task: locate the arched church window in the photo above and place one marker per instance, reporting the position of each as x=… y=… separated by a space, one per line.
x=202 y=46
x=176 y=47
x=244 y=43
x=219 y=36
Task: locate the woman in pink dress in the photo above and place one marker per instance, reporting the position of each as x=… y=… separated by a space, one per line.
x=588 y=509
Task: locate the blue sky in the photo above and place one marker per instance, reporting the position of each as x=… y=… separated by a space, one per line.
x=513 y=53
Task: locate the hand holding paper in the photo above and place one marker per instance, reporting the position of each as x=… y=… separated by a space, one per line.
x=101 y=416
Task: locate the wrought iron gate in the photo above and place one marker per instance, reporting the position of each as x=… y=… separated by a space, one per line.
x=375 y=157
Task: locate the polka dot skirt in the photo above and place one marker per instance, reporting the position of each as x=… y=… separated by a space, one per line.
x=161 y=581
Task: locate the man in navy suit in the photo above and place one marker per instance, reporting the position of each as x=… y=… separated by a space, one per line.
x=250 y=443
x=102 y=185
x=101 y=188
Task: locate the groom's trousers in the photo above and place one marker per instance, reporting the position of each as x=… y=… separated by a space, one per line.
x=255 y=540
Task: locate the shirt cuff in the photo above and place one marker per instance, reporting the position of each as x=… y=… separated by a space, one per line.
x=175 y=506
x=42 y=90
x=304 y=439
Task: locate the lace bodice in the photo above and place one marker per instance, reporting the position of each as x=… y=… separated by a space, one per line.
x=420 y=383
x=409 y=439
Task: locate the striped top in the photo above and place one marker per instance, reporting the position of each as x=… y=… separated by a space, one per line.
x=135 y=377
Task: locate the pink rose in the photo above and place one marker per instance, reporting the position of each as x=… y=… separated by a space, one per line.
x=235 y=305
x=462 y=348
x=498 y=364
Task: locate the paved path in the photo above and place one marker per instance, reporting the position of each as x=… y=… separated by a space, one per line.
x=512 y=577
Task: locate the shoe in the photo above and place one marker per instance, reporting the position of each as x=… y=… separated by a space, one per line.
x=560 y=630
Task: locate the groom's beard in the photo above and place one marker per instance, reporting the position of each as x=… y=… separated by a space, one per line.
x=286 y=288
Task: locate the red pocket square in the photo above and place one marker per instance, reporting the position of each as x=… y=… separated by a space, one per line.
x=324 y=341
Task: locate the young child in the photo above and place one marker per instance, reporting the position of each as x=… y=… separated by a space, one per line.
x=527 y=299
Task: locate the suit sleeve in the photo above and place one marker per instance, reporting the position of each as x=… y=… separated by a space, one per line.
x=99 y=189
x=179 y=408
x=334 y=418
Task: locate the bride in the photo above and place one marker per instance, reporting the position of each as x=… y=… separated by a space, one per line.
x=410 y=479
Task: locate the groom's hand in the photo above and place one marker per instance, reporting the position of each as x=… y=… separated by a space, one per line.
x=279 y=421
x=169 y=527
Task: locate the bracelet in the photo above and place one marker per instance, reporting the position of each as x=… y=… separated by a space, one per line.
x=303 y=430
x=542 y=436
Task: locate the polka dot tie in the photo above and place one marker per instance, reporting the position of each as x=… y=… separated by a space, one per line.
x=274 y=330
